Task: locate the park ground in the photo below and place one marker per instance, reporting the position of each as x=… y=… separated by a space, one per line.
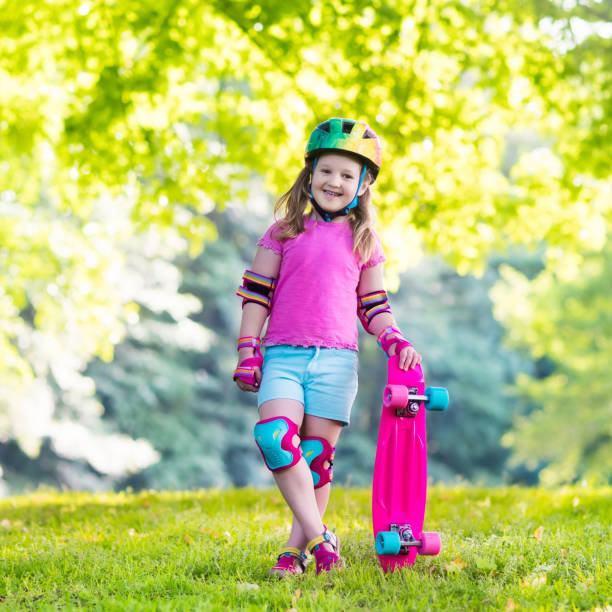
x=502 y=549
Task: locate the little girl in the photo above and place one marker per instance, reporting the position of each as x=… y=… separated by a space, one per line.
x=315 y=272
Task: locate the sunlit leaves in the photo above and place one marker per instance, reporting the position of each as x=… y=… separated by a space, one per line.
x=143 y=117
x=117 y=83
x=569 y=323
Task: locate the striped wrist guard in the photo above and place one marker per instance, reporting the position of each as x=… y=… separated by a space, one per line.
x=256 y=288
x=372 y=304
x=246 y=368
x=249 y=341
x=390 y=336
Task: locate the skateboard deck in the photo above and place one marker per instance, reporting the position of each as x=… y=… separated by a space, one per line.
x=399 y=487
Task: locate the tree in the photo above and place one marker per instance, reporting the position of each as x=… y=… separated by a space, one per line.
x=561 y=315
x=569 y=323
x=171 y=379
x=123 y=120
x=448 y=318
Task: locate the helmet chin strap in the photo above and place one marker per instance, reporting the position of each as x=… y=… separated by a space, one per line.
x=328 y=216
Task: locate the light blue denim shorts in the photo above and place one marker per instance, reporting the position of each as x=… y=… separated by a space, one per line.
x=324 y=380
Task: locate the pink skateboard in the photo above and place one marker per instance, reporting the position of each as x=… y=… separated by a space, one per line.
x=399 y=487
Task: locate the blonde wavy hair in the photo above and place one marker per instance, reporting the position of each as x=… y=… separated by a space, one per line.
x=293 y=205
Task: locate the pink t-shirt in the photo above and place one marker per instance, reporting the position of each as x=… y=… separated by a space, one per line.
x=315 y=301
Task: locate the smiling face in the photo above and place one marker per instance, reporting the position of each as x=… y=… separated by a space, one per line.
x=335 y=181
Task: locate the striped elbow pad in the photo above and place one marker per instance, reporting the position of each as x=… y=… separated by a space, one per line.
x=373 y=304
x=256 y=288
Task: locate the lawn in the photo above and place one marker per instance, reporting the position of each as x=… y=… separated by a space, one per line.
x=502 y=549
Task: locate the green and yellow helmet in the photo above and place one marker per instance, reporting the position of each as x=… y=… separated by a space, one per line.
x=354 y=137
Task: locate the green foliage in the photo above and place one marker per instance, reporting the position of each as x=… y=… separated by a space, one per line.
x=570 y=324
x=501 y=549
x=170 y=381
x=454 y=79
x=562 y=315
x=179 y=395
x=448 y=318
x=122 y=122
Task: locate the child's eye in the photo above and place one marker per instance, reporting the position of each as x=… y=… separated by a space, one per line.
x=348 y=177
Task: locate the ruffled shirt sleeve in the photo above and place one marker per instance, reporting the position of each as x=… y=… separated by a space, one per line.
x=378 y=255
x=269 y=242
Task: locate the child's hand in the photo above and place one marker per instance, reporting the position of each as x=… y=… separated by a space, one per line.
x=254 y=364
x=408 y=358
x=243 y=386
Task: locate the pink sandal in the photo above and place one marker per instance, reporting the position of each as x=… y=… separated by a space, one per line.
x=326 y=559
x=290 y=562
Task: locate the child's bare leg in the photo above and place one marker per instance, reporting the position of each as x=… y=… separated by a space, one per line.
x=295 y=483
x=322 y=428
x=297 y=538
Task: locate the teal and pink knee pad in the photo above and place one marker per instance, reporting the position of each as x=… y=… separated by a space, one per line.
x=317 y=451
x=275 y=439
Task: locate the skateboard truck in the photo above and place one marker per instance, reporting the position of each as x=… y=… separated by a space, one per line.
x=407 y=400
x=413 y=405
x=400 y=539
x=410 y=403
x=397 y=540
x=406 y=538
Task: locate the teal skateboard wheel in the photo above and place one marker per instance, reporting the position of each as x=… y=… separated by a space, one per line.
x=387 y=543
x=437 y=398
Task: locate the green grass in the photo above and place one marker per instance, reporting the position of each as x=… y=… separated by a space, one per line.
x=502 y=549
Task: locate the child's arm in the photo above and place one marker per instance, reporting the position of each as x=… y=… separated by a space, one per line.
x=378 y=319
x=254 y=314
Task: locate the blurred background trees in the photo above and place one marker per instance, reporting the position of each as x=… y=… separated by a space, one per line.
x=141 y=147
